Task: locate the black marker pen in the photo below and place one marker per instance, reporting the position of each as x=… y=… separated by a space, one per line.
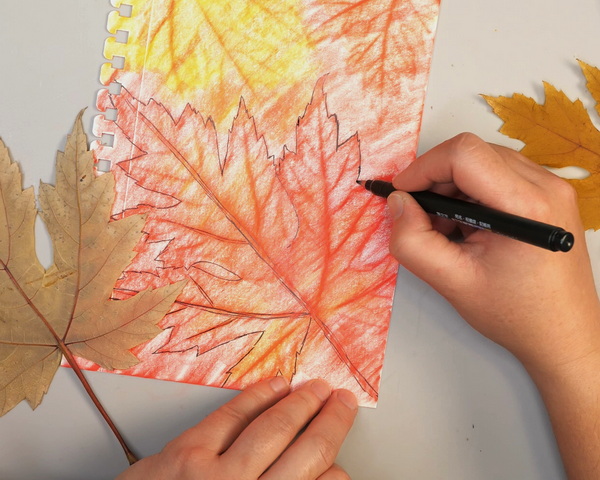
x=485 y=218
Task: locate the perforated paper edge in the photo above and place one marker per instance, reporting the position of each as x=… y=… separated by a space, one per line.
x=115 y=52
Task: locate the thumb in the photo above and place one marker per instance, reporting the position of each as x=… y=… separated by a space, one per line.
x=417 y=245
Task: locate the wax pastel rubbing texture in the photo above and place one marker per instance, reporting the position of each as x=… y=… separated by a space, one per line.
x=376 y=55
x=242 y=128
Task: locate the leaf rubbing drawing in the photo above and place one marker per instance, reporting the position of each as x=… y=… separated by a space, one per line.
x=67 y=310
x=375 y=53
x=559 y=133
x=286 y=258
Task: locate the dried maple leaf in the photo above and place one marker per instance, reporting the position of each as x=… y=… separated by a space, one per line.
x=67 y=310
x=559 y=133
x=286 y=259
x=592 y=75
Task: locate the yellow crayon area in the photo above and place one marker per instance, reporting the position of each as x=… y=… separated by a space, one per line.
x=209 y=53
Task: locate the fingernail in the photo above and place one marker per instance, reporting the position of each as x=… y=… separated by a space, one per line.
x=347 y=398
x=396 y=205
x=279 y=384
x=321 y=389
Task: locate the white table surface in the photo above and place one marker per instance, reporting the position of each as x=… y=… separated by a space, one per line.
x=452 y=404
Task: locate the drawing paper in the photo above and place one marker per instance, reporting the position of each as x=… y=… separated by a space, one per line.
x=239 y=129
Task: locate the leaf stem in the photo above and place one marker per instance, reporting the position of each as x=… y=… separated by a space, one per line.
x=131 y=458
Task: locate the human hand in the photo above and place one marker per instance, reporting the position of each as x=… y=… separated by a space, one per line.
x=540 y=305
x=257 y=435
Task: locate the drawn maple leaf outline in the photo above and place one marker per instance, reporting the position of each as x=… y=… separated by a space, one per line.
x=272 y=52
x=286 y=258
x=66 y=310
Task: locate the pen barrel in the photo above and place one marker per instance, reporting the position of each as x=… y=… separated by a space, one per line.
x=479 y=216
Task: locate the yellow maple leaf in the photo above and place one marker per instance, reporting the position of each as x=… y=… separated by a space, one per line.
x=592 y=75
x=559 y=133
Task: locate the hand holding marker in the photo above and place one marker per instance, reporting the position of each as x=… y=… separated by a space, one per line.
x=474 y=215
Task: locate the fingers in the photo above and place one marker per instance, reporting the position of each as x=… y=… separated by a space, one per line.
x=416 y=245
x=524 y=167
x=313 y=453
x=471 y=274
x=481 y=171
x=335 y=472
x=493 y=175
x=219 y=429
x=246 y=436
x=261 y=443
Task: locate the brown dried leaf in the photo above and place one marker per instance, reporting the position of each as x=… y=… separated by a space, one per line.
x=67 y=310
